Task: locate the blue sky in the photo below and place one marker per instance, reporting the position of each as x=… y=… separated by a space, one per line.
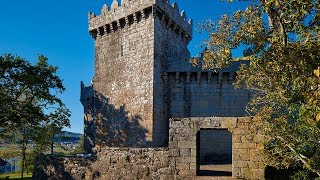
x=58 y=30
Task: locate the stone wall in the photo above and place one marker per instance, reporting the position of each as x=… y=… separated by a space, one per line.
x=87 y=100
x=110 y=164
x=141 y=163
x=136 y=42
x=124 y=81
x=206 y=94
x=247 y=160
x=180 y=161
x=170 y=52
x=142 y=79
x=52 y=167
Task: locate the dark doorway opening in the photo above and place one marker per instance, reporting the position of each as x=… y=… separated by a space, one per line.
x=214 y=152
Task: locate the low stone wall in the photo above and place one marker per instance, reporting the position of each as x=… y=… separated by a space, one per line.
x=180 y=161
x=52 y=167
x=136 y=163
x=111 y=163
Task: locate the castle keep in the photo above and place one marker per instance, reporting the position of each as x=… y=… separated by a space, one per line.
x=145 y=96
x=135 y=44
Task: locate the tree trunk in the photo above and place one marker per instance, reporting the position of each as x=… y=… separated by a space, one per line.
x=24 y=147
x=52 y=144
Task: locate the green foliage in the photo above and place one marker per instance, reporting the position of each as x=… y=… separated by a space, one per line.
x=45 y=136
x=9 y=152
x=27 y=93
x=282 y=42
x=26 y=90
x=29 y=163
x=80 y=148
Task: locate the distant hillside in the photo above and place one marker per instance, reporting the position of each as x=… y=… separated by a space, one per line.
x=66 y=136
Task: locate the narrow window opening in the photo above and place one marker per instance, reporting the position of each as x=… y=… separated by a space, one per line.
x=131 y=20
x=114 y=26
x=148 y=12
x=172 y=25
x=101 y=30
x=121 y=50
x=183 y=35
x=159 y=14
x=108 y=30
x=139 y=16
x=177 y=30
x=166 y=21
x=122 y=23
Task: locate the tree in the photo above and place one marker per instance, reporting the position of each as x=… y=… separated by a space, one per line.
x=281 y=42
x=58 y=120
x=80 y=148
x=27 y=92
x=45 y=135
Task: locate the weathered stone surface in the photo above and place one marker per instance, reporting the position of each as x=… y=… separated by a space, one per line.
x=245 y=154
x=143 y=92
x=153 y=163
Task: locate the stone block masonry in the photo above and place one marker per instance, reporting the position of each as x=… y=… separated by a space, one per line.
x=205 y=94
x=136 y=42
x=179 y=161
x=147 y=105
x=184 y=147
x=110 y=164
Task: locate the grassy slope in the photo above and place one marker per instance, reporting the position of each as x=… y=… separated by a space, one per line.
x=15 y=176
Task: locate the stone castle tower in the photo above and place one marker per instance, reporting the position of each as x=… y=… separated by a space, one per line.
x=149 y=114
x=143 y=77
x=135 y=43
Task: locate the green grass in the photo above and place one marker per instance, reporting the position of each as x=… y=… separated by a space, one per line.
x=16 y=176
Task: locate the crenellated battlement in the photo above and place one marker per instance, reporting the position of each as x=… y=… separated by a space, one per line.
x=118 y=16
x=199 y=77
x=177 y=18
x=205 y=93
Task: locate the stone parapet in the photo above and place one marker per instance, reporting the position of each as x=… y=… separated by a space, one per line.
x=116 y=12
x=172 y=11
x=87 y=92
x=129 y=12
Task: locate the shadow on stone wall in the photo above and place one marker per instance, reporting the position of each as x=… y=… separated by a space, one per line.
x=49 y=167
x=115 y=127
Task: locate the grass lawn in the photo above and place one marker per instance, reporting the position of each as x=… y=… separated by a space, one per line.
x=15 y=176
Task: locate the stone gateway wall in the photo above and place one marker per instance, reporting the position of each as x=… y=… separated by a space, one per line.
x=179 y=161
x=246 y=151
